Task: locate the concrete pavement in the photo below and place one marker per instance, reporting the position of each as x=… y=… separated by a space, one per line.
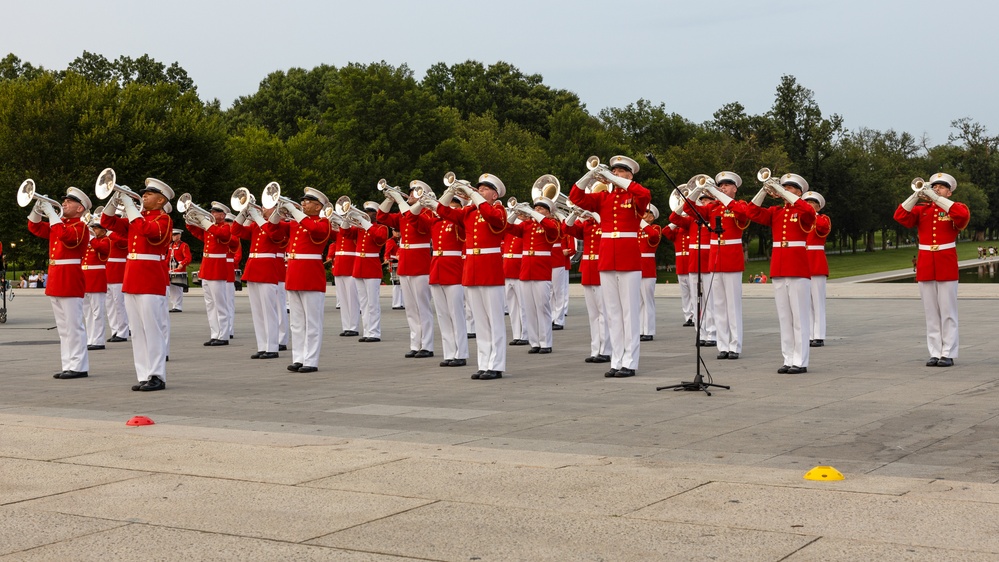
x=378 y=457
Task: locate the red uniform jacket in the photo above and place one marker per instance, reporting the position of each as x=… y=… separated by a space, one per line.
x=369 y=243
x=790 y=225
x=266 y=261
x=816 y=246
x=213 y=259
x=568 y=248
x=306 y=241
x=484 y=227
x=116 y=259
x=621 y=211
x=346 y=253
x=589 y=231
x=678 y=237
x=539 y=242
x=698 y=255
x=233 y=257
x=726 y=249
x=414 y=240
x=68 y=242
x=512 y=247
x=648 y=241
x=179 y=256
x=449 y=242
x=148 y=243
x=937 y=231
x=95 y=265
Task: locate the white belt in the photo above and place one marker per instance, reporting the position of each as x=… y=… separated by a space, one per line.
x=279 y=255
x=680 y=254
x=616 y=234
x=219 y=256
x=90 y=267
x=146 y=257
x=590 y=256
x=477 y=251
x=414 y=246
x=696 y=247
x=265 y=255
x=64 y=262
x=935 y=247
x=789 y=244
x=294 y=256
x=815 y=248
x=367 y=254
x=726 y=242
x=230 y=260
x=648 y=255
x=342 y=253
x=449 y=253
x=535 y=253
x=116 y=260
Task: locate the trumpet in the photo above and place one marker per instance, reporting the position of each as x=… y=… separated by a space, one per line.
x=107 y=184
x=920 y=187
x=593 y=164
x=770 y=183
x=329 y=211
x=348 y=213
x=242 y=199
x=191 y=211
x=580 y=212
x=385 y=188
x=26 y=195
x=516 y=209
x=453 y=183
x=420 y=189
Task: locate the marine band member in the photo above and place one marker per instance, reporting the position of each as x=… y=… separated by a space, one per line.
x=178 y=258
x=95 y=274
x=727 y=261
x=818 y=266
x=214 y=271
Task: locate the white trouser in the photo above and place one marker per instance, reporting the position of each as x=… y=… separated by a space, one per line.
x=469 y=318
x=686 y=297
x=726 y=302
x=165 y=326
x=560 y=294
x=399 y=295
x=599 y=337
x=621 y=301
x=149 y=317
x=266 y=309
x=819 y=307
x=306 y=322
x=449 y=301
x=117 y=316
x=350 y=309
x=794 y=310
x=68 y=312
x=513 y=290
x=940 y=307
x=647 y=314
x=371 y=310
x=230 y=303
x=486 y=302
x=282 y=298
x=93 y=317
x=708 y=329
x=216 y=308
x=176 y=294
x=419 y=314
x=538 y=304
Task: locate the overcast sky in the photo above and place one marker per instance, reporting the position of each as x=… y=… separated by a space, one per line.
x=911 y=66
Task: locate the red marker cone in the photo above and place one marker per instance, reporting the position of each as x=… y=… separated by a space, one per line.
x=140 y=420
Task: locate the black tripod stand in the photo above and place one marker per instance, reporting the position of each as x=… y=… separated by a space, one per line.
x=698 y=383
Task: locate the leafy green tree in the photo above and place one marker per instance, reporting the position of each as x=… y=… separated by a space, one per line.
x=286 y=103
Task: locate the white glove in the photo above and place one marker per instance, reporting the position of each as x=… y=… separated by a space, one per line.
x=571 y=219
x=446 y=197
x=397 y=196
x=642 y=224
x=204 y=222
x=586 y=181
x=403 y=206
x=910 y=203
x=386 y=205
x=717 y=193
x=941 y=201
x=36 y=212
x=511 y=217
x=241 y=216
x=51 y=213
x=759 y=197
x=432 y=204
x=131 y=211
x=364 y=223
x=112 y=202
x=596 y=217
x=538 y=217
x=294 y=211
x=109 y=209
x=785 y=194
x=275 y=217
x=416 y=208
x=254 y=215
x=618 y=181
x=476 y=197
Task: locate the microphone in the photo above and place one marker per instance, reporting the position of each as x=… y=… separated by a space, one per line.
x=652 y=158
x=718 y=226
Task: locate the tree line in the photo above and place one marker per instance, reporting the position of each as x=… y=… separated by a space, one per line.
x=341 y=129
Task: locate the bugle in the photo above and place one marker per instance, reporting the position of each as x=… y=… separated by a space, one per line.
x=385 y=188
x=770 y=182
x=26 y=195
x=107 y=184
x=919 y=186
x=593 y=164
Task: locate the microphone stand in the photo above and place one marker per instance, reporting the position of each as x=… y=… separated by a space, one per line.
x=698 y=383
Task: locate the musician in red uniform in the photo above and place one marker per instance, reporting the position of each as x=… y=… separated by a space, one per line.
x=513 y=290
x=68 y=241
x=390 y=259
x=818 y=266
x=146 y=278
x=938 y=221
x=214 y=272
x=265 y=268
x=789 y=225
x=305 y=277
x=345 y=252
x=484 y=221
x=540 y=232
x=727 y=261
x=117 y=316
x=179 y=258
x=95 y=275
x=621 y=210
x=585 y=226
x=369 y=239
x=678 y=237
x=649 y=236
x=446 y=265
x=699 y=264
x=233 y=257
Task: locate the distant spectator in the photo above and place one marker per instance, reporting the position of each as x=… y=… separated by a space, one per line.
x=33 y=280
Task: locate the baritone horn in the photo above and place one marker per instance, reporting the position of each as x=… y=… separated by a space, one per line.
x=242 y=199
x=548 y=186
x=107 y=184
x=677 y=197
x=191 y=211
x=348 y=212
x=26 y=195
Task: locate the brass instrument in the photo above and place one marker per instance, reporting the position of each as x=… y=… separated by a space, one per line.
x=242 y=199
x=419 y=189
x=580 y=212
x=26 y=195
x=919 y=186
x=517 y=209
x=769 y=182
x=349 y=214
x=677 y=197
x=385 y=188
x=106 y=185
x=271 y=198
x=593 y=164
x=548 y=186
x=191 y=211
x=453 y=183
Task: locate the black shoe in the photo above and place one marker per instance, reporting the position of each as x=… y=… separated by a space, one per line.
x=733 y=355
x=445 y=363
x=520 y=342
x=545 y=350
x=534 y=350
x=139 y=386
x=933 y=362
x=167 y=358
x=208 y=343
x=369 y=340
x=424 y=353
x=490 y=375
x=471 y=336
x=216 y=343
x=723 y=355
x=591 y=359
x=73 y=374
x=624 y=372
x=602 y=359
x=644 y=338
x=709 y=343
x=458 y=363
x=95 y=347
x=558 y=327
x=943 y=362
x=154 y=383
x=270 y=355
x=409 y=354
x=304 y=369
x=175 y=310
x=398 y=308
x=816 y=343
x=257 y=355
x=294 y=367
x=477 y=374
x=783 y=370
x=797 y=370
x=58 y=375
x=116 y=339
x=611 y=373
x=688 y=324
x=349 y=333
x=282 y=347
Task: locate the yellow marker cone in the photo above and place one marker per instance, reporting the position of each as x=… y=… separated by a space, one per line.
x=824 y=473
